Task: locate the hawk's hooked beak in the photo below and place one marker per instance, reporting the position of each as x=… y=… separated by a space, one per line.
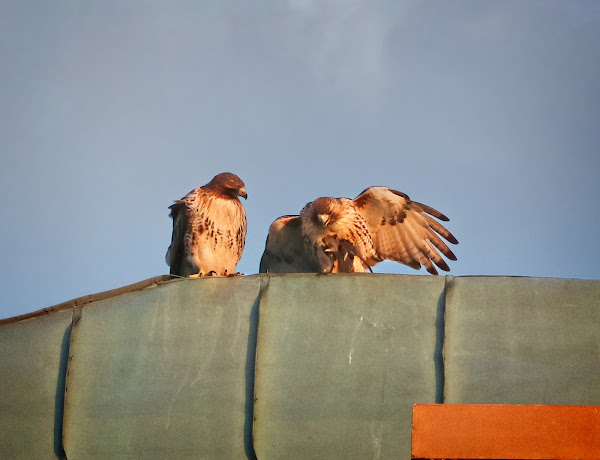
x=323 y=218
x=242 y=193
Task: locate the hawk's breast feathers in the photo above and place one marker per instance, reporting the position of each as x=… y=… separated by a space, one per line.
x=209 y=229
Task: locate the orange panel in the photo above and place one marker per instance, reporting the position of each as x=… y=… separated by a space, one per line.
x=500 y=431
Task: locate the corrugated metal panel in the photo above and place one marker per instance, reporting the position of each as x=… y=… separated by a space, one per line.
x=32 y=370
x=523 y=341
x=162 y=373
x=341 y=360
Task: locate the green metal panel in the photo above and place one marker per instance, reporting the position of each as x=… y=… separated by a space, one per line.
x=341 y=359
x=162 y=373
x=32 y=386
x=522 y=340
x=167 y=372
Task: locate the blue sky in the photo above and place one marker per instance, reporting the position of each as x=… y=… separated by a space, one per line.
x=109 y=110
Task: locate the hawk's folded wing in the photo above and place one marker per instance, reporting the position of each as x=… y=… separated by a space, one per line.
x=175 y=257
x=284 y=249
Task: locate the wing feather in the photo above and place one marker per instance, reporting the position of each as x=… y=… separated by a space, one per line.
x=440 y=245
x=404 y=230
x=417 y=245
x=176 y=254
x=437 y=259
x=429 y=210
x=400 y=244
x=440 y=229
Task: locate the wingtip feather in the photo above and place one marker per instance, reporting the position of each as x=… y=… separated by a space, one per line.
x=451 y=238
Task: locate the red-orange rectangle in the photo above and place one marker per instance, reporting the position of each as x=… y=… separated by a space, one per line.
x=505 y=431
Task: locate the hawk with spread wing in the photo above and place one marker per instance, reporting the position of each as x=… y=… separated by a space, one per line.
x=209 y=229
x=343 y=235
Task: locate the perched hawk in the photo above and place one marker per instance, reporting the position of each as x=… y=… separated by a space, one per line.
x=209 y=229
x=343 y=235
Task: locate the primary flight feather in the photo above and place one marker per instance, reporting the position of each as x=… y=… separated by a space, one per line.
x=209 y=229
x=344 y=235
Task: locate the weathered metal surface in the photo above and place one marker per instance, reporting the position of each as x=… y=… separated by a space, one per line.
x=32 y=368
x=522 y=341
x=498 y=431
x=341 y=359
x=167 y=371
x=162 y=373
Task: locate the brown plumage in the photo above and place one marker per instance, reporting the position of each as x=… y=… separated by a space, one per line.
x=284 y=249
x=209 y=229
x=343 y=235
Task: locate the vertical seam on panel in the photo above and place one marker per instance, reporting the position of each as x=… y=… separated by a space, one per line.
x=440 y=342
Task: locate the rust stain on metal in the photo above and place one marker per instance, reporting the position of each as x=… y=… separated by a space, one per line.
x=503 y=431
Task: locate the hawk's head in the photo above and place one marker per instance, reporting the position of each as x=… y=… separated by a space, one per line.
x=229 y=185
x=325 y=211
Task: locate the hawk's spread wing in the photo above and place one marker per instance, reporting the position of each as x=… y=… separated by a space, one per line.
x=404 y=230
x=284 y=249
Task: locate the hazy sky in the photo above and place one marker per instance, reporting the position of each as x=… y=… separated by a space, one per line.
x=110 y=110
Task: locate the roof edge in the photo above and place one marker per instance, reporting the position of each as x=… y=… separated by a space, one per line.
x=81 y=301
